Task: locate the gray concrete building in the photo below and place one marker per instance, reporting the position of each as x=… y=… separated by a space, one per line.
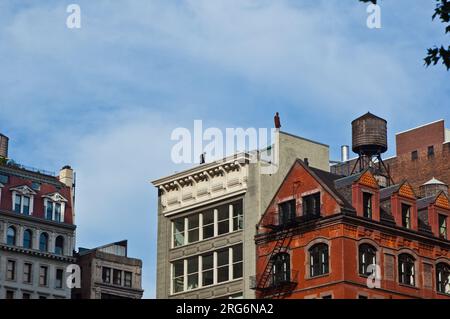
x=37 y=231
x=207 y=219
x=108 y=273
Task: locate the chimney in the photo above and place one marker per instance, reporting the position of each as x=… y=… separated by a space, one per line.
x=344 y=153
x=4 y=141
x=66 y=176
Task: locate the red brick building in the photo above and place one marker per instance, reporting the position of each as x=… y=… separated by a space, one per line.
x=328 y=236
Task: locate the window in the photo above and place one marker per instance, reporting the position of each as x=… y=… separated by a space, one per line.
x=43 y=242
x=49 y=211
x=367 y=205
x=287 y=212
x=443 y=278
x=192 y=273
x=27 y=272
x=223 y=265
x=4 y=179
x=59 y=245
x=11 y=236
x=9 y=294
x=36 y=186
x=193 y=228
x=59 y=278
x=238 y=216
x=53 y=211
x=26 y=296
x=117 y=277
x=127 y=280
x=406 y=269
x=414 y=155
x=223 y=215
x=11 y=270
x=443 y=226
x=27 y=239
x=318 y=260
x=178 y=276
x=281 y=269
x=106 y=275
x=237 y=262
x=22 y=204
x=367 y=257
x=43 y=275
x=57 y=212
x=430 y=151
x=311 y=205
x=406 y=216
x=208 y=269
x=208 y=224
x=179 y=234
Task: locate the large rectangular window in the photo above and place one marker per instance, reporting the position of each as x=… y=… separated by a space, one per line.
x=27 y=272
x=192 y=268
x=207 y=269
x=178 y=276
x=367 y=205
x=178 y=232
x=443 y=226
x=11 y=270
x=127 y=280
x=237 y=262
x=193 y=228
x=238 y=216
x=117 y=277
x=223 y=216
x=287 y=212
x=208 y=224
x=106 y=275
x=406 y=216
x=223 y=265
x=311 y=205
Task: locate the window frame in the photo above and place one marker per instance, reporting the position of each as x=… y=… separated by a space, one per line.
x=27 y=276
x=443 y=287
x=320 y=252
x=367 y=209
x=106 y=275
x=46 y=236
x=25 y=240
x=316 y=200
x=406 y=220
x=59 y=282
x=365 y=252
x=14 y=236
x=43 y=275
x=287 y=212
x=443 y=227
x=127 y=282
x=407 y=276
x=281 y=269
x=59 y=249
x=11 y=273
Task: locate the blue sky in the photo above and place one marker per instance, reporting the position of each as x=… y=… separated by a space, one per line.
x=105 y=98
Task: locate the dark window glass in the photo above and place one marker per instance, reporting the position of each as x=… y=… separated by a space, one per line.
x=287 y=212
x=223 y=265
x=443 y=278
x=414 y=155
x=367 y=205
x=178 y=276
x=179 y=232
x=43 y=275
x=237 y=262
x=127 y=281
x=11 y=270
x=59 y=245
x=318 y=260
x=26 y=205
x=18 y=204
x=406 y=270
x=238 y=216
x=208 y=224
x=11 y=236
x=27 y=272
x=193 y=228
x=58 y=212
x=223 y=225
x=406 y=216
x=43 y=242
x=49 y=211
x=192 y=279
x=281 y=269
x=59 y=278
x=207 y=270
x=27 y=239
x=443 y=226
x=4 y=179
x=117 y=277
x=26 y=296
x=367 y=257
x=362 y=297
x=9 y=294
x=36 y=186
x=106 y=275
x=430 y=151
x=311 y=205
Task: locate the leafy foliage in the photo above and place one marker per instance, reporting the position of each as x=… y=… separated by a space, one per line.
x=436 y=54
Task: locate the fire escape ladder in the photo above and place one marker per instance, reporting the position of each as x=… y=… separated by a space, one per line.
x=279 y=247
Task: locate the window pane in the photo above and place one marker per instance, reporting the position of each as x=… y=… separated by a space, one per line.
x=208 y=231
x=106 y=275
x=193 y=224
x=178 y=227
x=208 y=278
x=192 y=265
x=11 y=270
x=178 y=268
x=237 y=270
x=222 y=274
x=178 y=276
x=237 y=253
x=26 y=205
x=18 y=203
x=27 y=239
x=57 y=212
x=128 y=279
x=43 y=276
x=224 y=212
x=117 y=277
x=49 y=212
x=11 y=236
x=59 y=278
x=238 y=216
x=223 y=227
x=222 y=257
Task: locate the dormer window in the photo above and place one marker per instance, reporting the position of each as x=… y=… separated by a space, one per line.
x=367 y=205
x=54 y=207
x=23 y=199
x=406 y=216
x=443 y=226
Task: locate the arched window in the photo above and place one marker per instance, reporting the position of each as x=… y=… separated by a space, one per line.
x=281 y=269
x=367 y=257
x=443 y=278
x=406 y=270
x=11 y=236
x=59 y=245
x=43 y=242
x=27 y=239
x=318 y=260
